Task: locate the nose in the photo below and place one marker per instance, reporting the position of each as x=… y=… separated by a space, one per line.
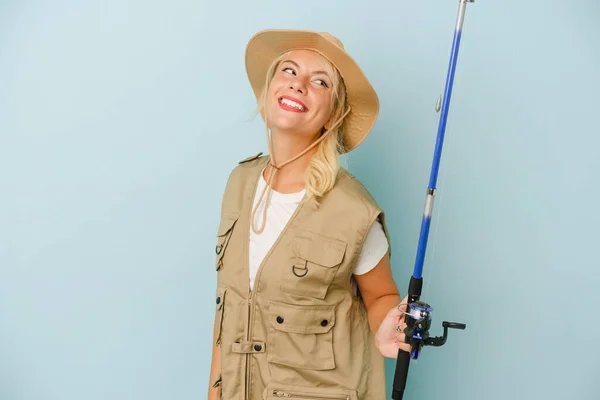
x=298 y=85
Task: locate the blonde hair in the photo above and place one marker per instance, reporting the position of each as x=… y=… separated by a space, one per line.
x=323 y=169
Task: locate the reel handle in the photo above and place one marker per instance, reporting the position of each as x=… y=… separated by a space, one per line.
x=441 y=340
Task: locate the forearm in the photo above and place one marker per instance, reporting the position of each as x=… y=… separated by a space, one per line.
x=377 y=311
x=215 y=368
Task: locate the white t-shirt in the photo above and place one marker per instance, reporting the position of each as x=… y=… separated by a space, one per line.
x=281 y=208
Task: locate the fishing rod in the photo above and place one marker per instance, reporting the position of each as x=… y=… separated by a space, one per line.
x=418 y=313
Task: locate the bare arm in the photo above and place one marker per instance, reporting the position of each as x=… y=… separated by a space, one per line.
x=381 y=298
x=215 y=368
x=379 y=292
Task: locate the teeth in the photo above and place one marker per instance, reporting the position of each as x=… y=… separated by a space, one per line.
x=291 y=103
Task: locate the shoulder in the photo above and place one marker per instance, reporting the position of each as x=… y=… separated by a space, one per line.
x=358 y=196
x=355 y=208
x=350 y=200
x=240 y=181
x=353 y=190
x=246 y=167
x=252 y=159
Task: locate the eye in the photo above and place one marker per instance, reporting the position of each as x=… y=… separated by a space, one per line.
x=321 y=82
x=289 y=70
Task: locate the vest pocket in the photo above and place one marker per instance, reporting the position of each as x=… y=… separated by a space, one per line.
x=223 y=235
x=279 y=391
x=220 y=304
x=315 y=262
x=301 y=336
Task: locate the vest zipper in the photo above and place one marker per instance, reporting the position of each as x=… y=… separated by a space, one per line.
x=249 y=329
x=247 y=380
x=281 y=393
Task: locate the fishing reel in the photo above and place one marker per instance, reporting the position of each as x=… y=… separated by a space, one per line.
x=418 y=322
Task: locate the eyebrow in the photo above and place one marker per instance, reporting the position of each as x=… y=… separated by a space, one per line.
x=314 y=72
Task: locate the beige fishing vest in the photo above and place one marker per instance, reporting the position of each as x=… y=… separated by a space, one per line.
x=302 y=333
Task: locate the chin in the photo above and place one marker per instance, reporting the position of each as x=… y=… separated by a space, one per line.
x=284 y=123
x=286 y=128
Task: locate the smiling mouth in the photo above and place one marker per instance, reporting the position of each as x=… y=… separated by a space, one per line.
x=291 y=105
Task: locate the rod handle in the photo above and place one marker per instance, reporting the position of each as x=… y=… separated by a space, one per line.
x=402 y=364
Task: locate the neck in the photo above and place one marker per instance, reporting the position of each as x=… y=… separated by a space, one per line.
x=290 y=177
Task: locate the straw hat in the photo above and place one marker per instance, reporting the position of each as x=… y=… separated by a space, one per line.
x=267 y=45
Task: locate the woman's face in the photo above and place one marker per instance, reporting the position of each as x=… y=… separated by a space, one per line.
x=300 y=97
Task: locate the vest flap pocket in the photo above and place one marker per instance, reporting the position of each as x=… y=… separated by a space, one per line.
x=300 y=336
x=301 y=319
x=313 y=266
x=319 y=249
x=227 y=222
x=220 y=308
x=223 y=236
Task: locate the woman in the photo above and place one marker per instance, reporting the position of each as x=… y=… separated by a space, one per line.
x=306 y=305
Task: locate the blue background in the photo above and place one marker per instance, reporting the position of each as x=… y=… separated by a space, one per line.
x=121 y=120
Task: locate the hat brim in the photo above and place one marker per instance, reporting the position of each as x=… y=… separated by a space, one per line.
x=267 y=45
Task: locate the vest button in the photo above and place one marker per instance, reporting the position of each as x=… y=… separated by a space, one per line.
x=218 y=300
x=324 y=322
x=279 y=320
x=257 y=347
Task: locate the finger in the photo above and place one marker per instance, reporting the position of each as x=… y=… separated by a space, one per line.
x=403 y=305
x=399 y=319
x=401 y=322
x=399 y=338
x=405 y=347
x=404 y=300
x=395 y=315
